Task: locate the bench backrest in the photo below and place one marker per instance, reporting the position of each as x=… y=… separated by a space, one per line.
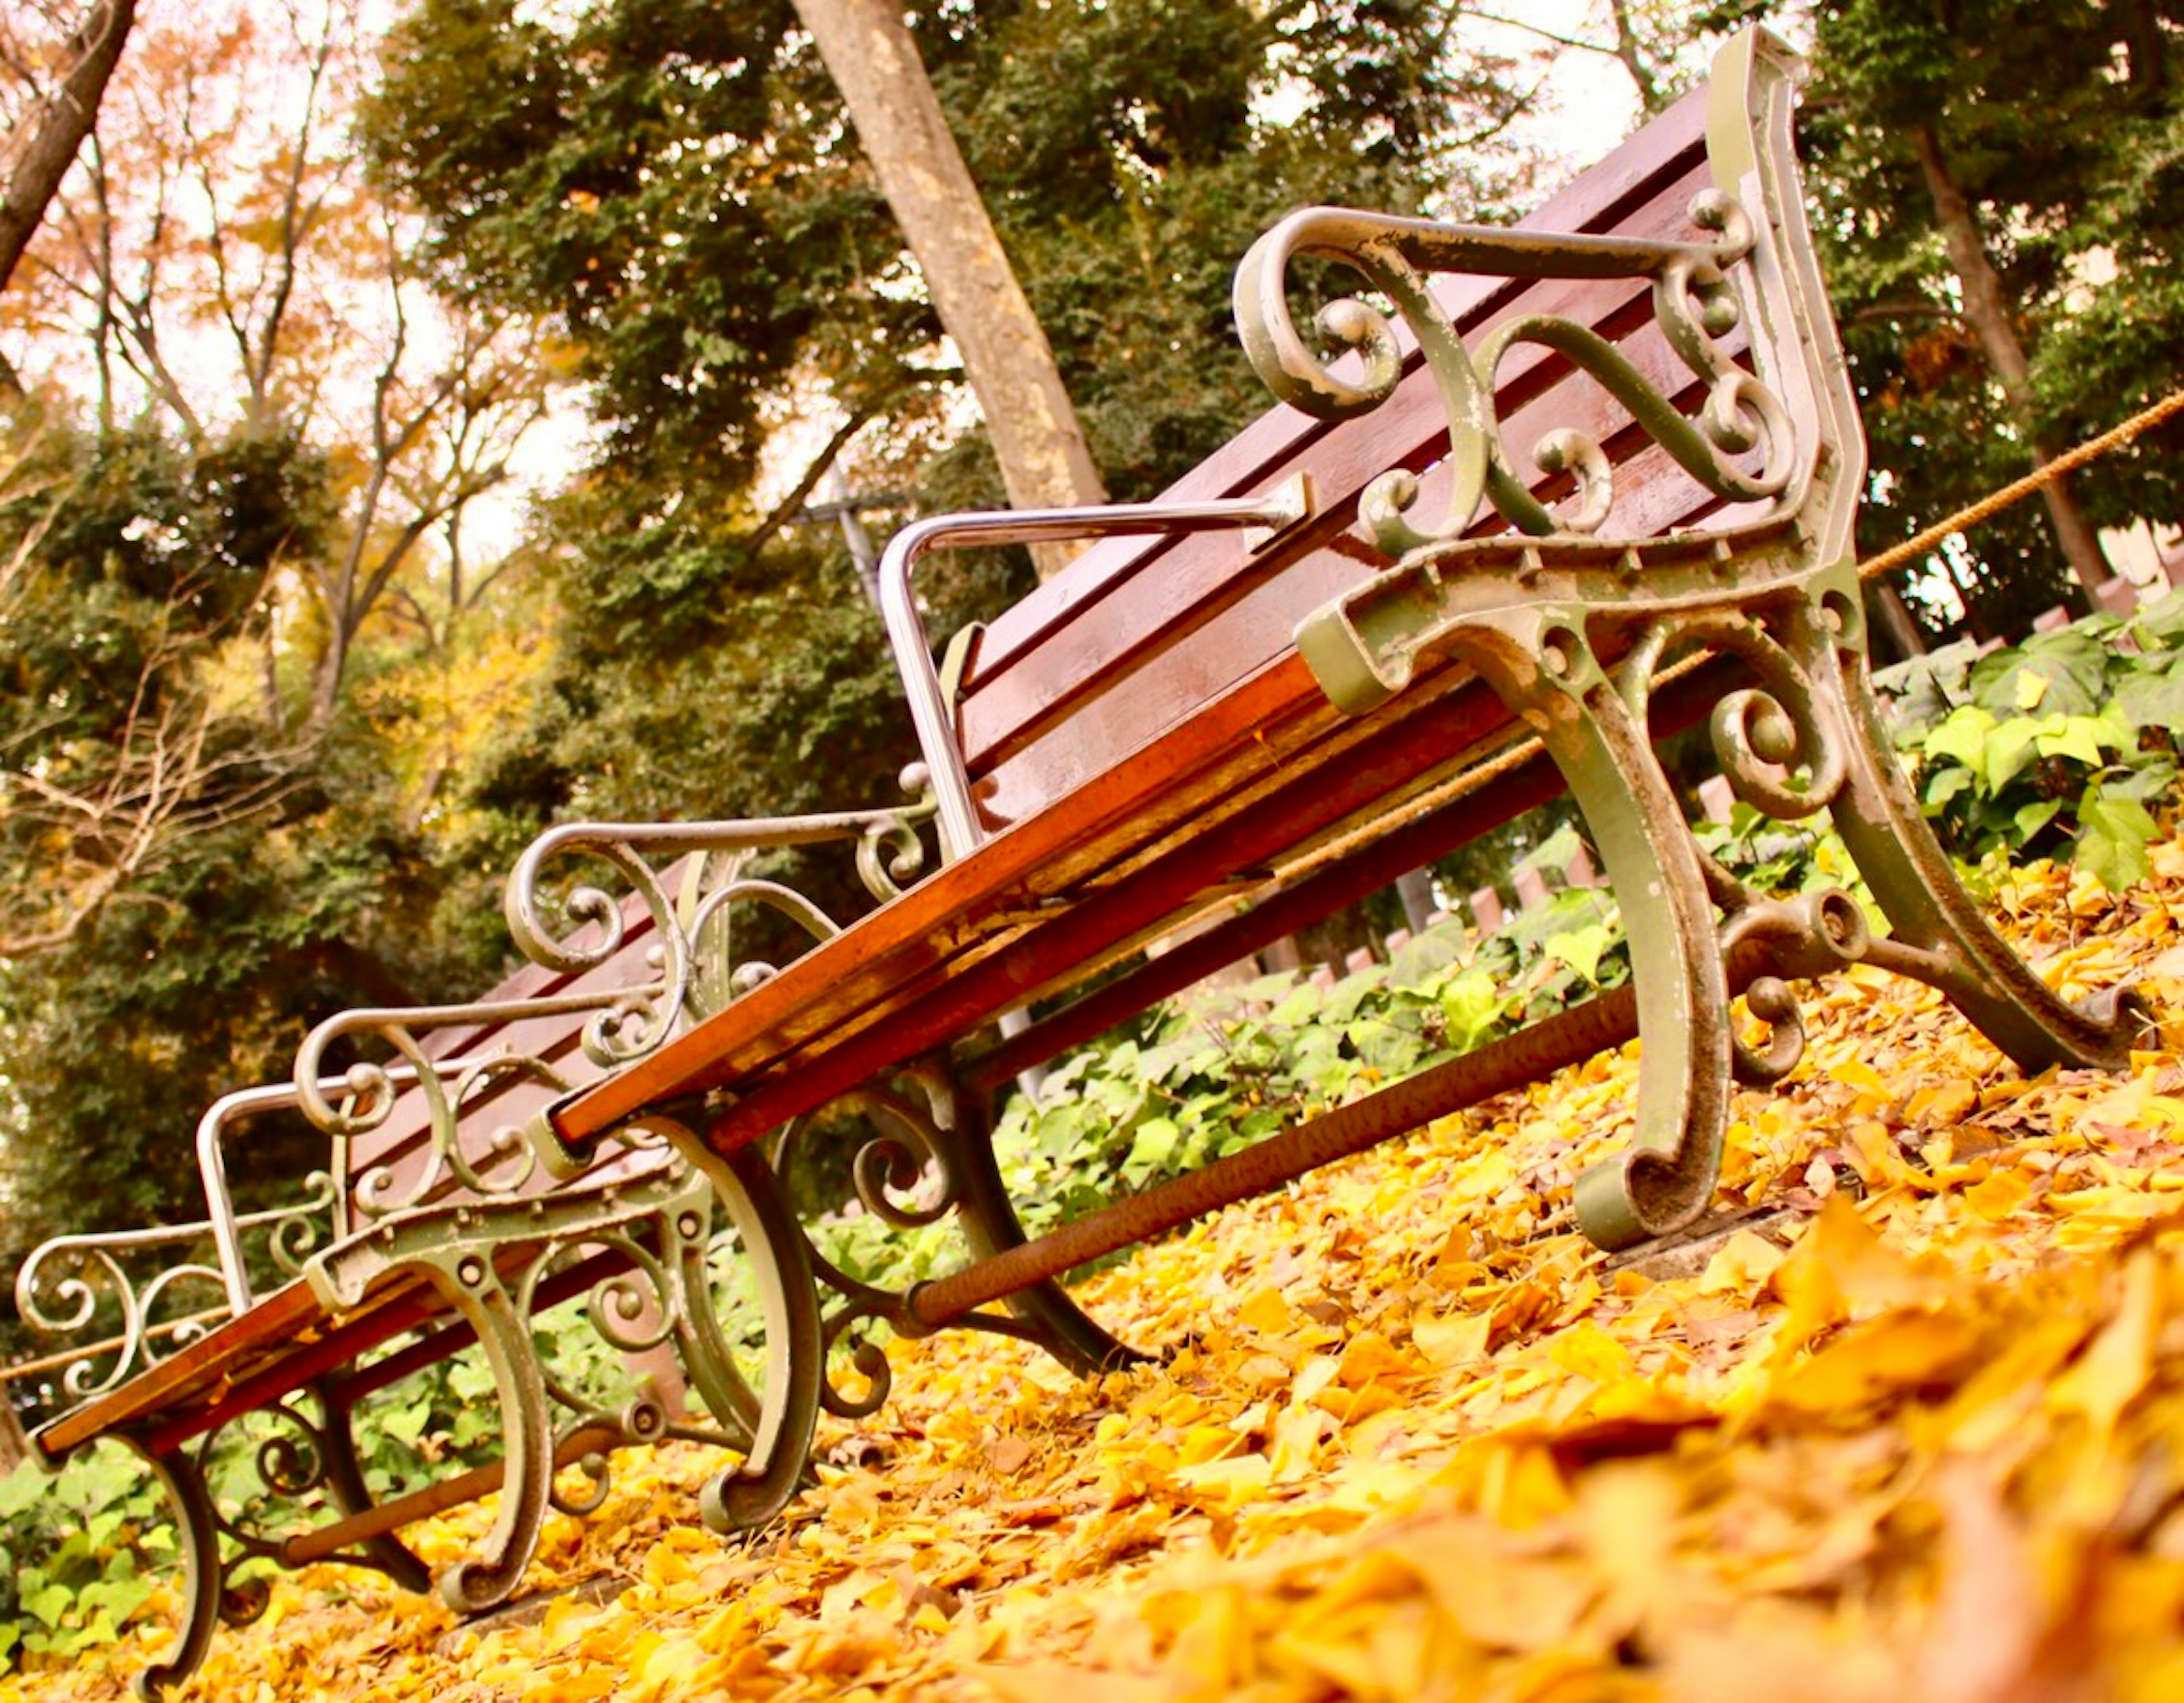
x=1138 y=635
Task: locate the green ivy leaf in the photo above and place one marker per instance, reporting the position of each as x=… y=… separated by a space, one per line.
x=2035 y=816
x=1580 y=949
x=1961 y=737
x=1943 y=784
x=2113 y=836
x=1471 y=1006
x=1152 y=1148
x=2084 y=738
x=50 y=1603
x=2152 y=700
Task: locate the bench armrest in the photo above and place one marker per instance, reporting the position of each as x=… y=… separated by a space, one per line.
x=140 y=1294
x=686 y=876
x=630 y=973
x=1767 y=424
x=1262 y=519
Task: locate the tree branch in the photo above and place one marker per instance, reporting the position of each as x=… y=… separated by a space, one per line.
x=56 y=137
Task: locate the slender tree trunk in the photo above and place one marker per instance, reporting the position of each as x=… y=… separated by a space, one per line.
x=869 y=52
x=1632 y=54
x=49 y=146
x=1986 y=309
x=2146 y=49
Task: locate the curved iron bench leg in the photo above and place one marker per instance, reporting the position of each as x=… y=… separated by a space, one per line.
x=204 y=1570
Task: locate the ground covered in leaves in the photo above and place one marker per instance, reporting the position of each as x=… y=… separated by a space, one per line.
x=1913 y=1429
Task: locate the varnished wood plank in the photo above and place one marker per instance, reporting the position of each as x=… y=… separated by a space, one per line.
x=1599 y=198
x=1118 y=643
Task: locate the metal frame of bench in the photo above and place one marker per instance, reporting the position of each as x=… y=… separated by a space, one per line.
x=433 y=1215
x=1457 y=671
x=1564 y=618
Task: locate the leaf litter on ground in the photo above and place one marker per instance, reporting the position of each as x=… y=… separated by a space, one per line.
x=1911 y=1427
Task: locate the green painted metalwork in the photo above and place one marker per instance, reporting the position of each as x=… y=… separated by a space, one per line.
x=925 y=1155
x=487 y=1259
x=1570 y=623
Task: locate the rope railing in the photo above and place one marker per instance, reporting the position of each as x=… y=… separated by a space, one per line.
x=2018 y=490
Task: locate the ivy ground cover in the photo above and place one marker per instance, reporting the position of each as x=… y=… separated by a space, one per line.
x=1914 y=1427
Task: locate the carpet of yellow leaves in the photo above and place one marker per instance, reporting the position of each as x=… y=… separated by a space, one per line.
x=1914 y=1428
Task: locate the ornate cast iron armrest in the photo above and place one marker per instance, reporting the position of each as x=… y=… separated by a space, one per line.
x=687 y=970
x=1696 y=304
x=296 y=1228
x=1751 y=269
x=692 y=955
x=62 y=1289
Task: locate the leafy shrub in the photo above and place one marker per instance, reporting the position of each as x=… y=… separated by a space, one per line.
x=82 y=1547
x=2059 y=744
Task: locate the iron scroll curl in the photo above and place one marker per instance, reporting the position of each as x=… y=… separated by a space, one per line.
x=1741 y=446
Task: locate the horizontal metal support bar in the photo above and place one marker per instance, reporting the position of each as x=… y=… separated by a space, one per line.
x=1537 y=1051
x=318 y=1544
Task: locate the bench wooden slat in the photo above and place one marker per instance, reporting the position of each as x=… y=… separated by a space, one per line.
x=1258 y=456
x=1155 y=643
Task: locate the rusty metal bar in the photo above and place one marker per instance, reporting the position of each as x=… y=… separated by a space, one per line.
x=322 y=1541
x=1566 y=1039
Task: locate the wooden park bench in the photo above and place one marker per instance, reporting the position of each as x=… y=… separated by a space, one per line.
x=1592 y=482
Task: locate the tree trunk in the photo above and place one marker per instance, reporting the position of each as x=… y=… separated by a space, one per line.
x=1044 y=460
x=51 y=139
x=1631 y=51
x=1986 y=309
x=2147 y=52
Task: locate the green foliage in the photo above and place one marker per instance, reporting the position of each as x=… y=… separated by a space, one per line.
x=669 y=182
x=2062 y=741
x=1223 y=1069
x=82 y=1546
x=2058 y=123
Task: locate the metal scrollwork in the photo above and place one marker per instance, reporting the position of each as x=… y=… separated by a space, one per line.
x=497 y=1162
x=910 y=1170
x=711 y=924
x=74 y=1284
x=1783 y=723
x=686 y=897
x=1801 y=937
x=296 y=1232
x=292 y=1465
x=867 y=1359
x=1694 y=303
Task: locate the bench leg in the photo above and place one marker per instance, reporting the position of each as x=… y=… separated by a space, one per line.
x=344 y=1474
x=1540 y=661
x=775 y=1423
x=487 y=1262
x=472 y=1286
x=930 y=1156
x=205 y=1572
x=1938 y=934
x=1052 y=1320
x=1809 y=737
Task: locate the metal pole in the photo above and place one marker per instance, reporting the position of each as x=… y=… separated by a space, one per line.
x=1566 y=1039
